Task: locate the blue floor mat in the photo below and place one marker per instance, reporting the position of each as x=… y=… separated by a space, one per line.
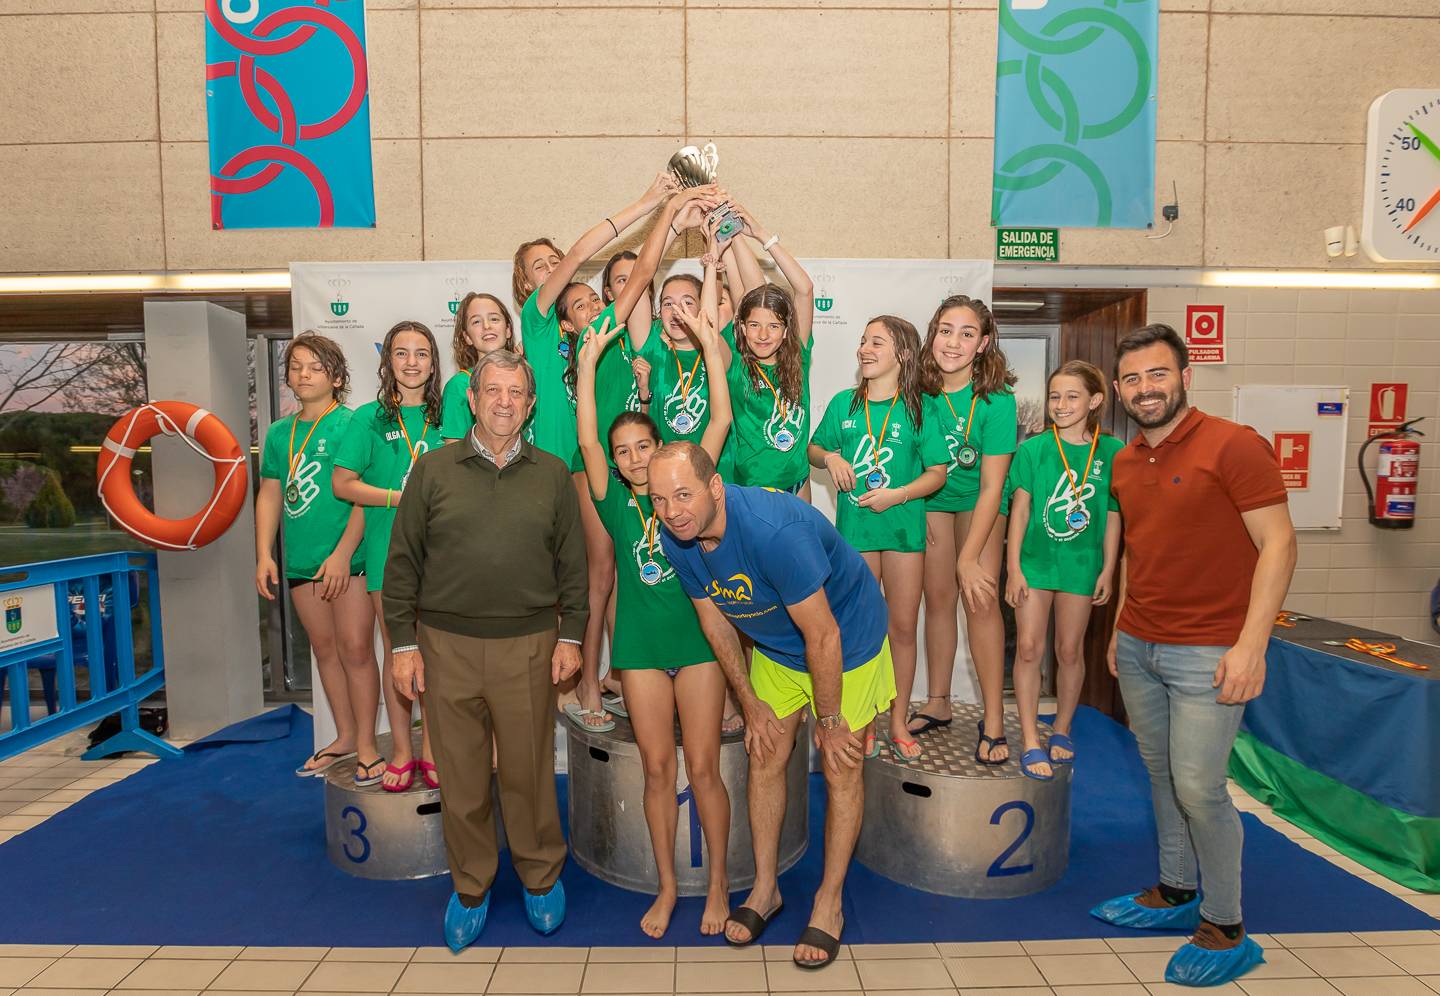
x=226 y=846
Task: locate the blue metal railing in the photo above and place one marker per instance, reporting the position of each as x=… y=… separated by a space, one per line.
x=81 y=610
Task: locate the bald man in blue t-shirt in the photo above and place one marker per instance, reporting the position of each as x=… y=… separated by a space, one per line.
x=769 y=565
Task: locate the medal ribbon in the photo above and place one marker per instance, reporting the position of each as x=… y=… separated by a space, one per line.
x=883 y=425
x=969 y=419
x=406 y=433
x=685 y=381
x=290 y=477
x=779 y=401
x=1070 y=474
x=647 y=526
x=1384 y=651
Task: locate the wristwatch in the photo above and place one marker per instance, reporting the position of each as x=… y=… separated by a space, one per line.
x=830 y=722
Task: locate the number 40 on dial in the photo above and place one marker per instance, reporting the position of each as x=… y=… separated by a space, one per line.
x=1402 y=178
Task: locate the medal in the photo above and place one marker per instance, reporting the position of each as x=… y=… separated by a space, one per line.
x=564 y=347
x=412 y=447
x=874 y=480
x=683 y=422
x=650 y=572
x=1078 y=517
x=292 y=490
x=784 y=440
x=966 y=456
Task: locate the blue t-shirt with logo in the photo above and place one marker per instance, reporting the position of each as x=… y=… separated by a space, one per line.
x=777 y=551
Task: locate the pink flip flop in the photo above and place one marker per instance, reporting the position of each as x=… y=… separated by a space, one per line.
x=408 y=770
x=426 y=769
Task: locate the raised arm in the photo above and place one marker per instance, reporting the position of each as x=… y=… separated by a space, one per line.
x=802 y=288
x=705 y=327
x=654 y=248
x=742 y=268
x=587 y=428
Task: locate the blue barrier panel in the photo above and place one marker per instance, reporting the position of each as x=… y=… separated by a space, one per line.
x=90 y=598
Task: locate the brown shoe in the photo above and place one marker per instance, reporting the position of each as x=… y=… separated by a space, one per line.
x=1212 y=938
x=1152 y=899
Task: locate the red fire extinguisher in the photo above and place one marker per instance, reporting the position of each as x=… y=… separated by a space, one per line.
x=1397 y=473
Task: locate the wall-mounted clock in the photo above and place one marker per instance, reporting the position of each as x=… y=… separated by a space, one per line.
x=1402 y=178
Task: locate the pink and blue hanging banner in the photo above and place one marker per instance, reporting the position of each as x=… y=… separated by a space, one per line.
x=287 y=97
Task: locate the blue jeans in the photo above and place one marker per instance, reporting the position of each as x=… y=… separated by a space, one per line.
x=1185 y=738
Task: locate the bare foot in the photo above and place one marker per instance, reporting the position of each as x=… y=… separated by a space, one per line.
x=657 y=918
x=717 y=909
x=764 y=903
x=335 y=747
x=829 y=920
x=904 y=742
x=589 y=698
x=400 y=759
x=1040 y=769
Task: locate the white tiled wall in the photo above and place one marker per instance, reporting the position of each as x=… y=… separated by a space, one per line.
x=1372 y=577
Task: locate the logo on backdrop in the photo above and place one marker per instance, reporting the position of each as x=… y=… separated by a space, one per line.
x=457 y=291
x=825 y=300
x=1062 y=502
x=13 y=621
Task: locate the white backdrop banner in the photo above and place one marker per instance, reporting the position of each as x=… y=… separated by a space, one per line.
x=356 y=304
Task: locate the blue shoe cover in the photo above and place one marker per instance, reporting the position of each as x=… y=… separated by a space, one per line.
x=1124 y=911
x=463 y=925
x=1195 y=966
x=547 y=912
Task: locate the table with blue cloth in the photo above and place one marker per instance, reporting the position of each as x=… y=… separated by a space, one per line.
x=1347 y=746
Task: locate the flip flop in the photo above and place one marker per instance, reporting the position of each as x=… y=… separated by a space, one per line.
x=335 y=756
x=577 y=716
x=615 y=705
x=899 y=754
x=732 y=724
x=1064 y=743
x=427 y=773
x=994 y=742
x=1035 y=756
x=368 y=778
x=407 y=770
x=872 y=748
x=753 y=921
x=816 y=938
x=931 y=723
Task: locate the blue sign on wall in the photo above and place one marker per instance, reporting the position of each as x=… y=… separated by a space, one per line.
x=287 y=96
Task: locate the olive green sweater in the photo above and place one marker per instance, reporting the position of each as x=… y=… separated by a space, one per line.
x=486 y=552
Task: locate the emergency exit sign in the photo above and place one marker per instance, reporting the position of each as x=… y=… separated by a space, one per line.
x=1032 y=245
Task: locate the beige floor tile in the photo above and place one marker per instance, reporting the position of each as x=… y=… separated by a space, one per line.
x=84 y=973
x=1083 y=969
x=1390 y=938
x=719 y=953
x=1089 y=946
x=1135 y=945
x=371 y=954
x=910 y=992
x=697 y=976
x=20 y=823
x=158 y=992
x=9 y=835
x=1335 y=939
x=1417 y=959
x=445 y=956
x=113 y=951
x=536 y=978
x=66 y=795
x=908 y=973
x=42 y=808
x=60 y=992
x=713 y=993
x=788 y=977
x=886 y=951
x=1425 y=904
x=354 y=976
x=1335 y=963
x=197 y=951
x=1147 y=966
x=1009 y=991
x=1433 y=981
x=1119 y=989
x=1392 y=887
x=34 y=950
x=25 y=795
x=1389 y=985
x=432 y=977
x=283 y=954
x=631 y=956
x=993 y=971
x=979 y=949
x=18 y=971
x=284 y=976
x=545 y=955
x=624 y=978
x=1286 y=987
x=1282 y=964
x=174 y=973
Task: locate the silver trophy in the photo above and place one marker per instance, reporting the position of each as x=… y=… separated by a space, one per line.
x=695 y=167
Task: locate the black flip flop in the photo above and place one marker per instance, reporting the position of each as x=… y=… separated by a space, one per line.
x=335 y=756
x=753 y=921
x=931 y=723
x=816 y=938
x=369 y=779
x=994 y=742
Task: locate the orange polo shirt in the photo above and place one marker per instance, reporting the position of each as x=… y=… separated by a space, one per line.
x=1189 y=558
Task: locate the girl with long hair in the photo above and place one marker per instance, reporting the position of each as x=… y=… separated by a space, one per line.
x=970 y=398
x=323 y=559
x=1064 y=543
x=884 y=460
x=380 y=446
x=482 y=325
x=666 y=665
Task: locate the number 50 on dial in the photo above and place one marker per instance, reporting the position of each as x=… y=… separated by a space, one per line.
x=1402 y=178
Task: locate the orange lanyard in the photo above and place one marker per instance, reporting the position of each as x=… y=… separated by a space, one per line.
x=968 y=418
x=883 y=425
x=780 y=405
x=406 y=433
x=647 y=526
x=685 y=381
x=314 y=425
x=1070 y=474
x=1384 y=651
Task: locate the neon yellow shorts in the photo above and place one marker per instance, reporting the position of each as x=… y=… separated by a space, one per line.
x=865 y=691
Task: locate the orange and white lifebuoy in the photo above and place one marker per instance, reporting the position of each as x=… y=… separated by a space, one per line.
x=203 y=432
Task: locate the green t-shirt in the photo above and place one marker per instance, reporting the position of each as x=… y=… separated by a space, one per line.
x=904 y=455
x=768 y=438
x=680 y=394
x=655 y=621
x=456 y=418
x=1054 y=555
x=993 y=433
x=374 y=447
x=548 y=349
x=313 y=523
x=615 y=387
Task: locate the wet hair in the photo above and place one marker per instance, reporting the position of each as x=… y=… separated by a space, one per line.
x=1148 y=336
x=907 y=350
x=1089 y=375
x=562 y=314
x=463 y=349
x=389 y=393
x=693 y=454
x=989 y=372
x=789 y=358
x=330 y=355
x=505 y=359
x=520 y=289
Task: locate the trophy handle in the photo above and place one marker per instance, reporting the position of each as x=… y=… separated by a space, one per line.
x=711 y=158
